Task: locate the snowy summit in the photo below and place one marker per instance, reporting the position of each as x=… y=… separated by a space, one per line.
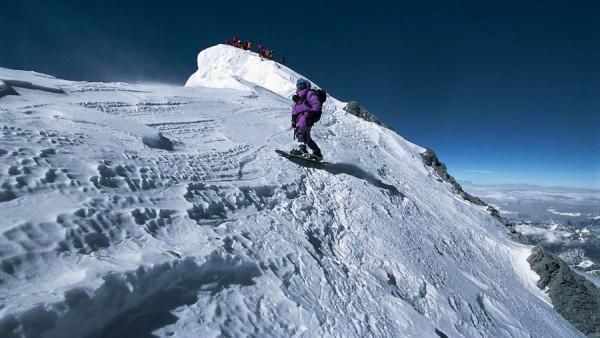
x=134 y=210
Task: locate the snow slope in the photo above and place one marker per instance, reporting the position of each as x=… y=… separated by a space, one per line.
x=107 y=233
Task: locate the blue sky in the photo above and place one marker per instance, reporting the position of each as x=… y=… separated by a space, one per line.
x=503 y=91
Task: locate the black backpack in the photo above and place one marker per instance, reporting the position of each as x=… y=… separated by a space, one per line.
x=315 y=116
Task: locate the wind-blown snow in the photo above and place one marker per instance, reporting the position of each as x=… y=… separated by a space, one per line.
x=104 y=234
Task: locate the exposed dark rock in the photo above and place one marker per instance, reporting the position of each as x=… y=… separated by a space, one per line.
x=359 y=111
x=431 y=159
x=573 y=296
x=514 y=234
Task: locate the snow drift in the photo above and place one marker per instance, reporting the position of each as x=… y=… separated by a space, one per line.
x=103 y=235
x=224 y=66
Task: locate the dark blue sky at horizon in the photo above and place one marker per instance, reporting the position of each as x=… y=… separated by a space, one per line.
x=504 y=92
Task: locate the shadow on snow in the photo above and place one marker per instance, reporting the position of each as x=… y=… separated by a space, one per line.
x=351 y=170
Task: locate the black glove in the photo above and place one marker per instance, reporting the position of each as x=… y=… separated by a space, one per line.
x=293 y=123
x=295 y=98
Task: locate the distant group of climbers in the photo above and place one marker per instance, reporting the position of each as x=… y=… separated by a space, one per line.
x=247 y=45
x=235 y=42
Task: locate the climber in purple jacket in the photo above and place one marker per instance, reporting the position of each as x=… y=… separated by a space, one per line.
x=305 y=101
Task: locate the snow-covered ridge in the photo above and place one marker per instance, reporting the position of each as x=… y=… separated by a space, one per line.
x=228 y=67
x=223 y=66
x=103 y=235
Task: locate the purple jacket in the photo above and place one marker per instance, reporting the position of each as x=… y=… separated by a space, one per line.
x=310 y=102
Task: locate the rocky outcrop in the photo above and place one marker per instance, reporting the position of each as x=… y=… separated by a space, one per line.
x=359 y=111
x=573 y=296
x=510 y=227
x=431 y=159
